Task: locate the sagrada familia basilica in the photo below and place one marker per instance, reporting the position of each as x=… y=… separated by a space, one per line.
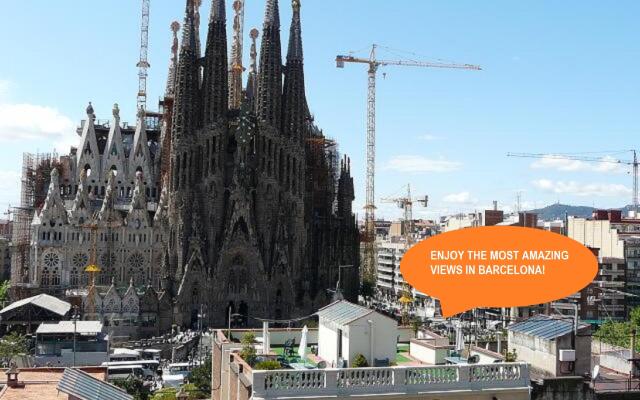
x=229 y=199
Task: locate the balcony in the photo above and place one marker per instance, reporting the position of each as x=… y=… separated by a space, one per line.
x=396 y=380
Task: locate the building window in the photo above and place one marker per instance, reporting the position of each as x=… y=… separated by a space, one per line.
x=51 y=260
x=45 y=278
x=136 y=268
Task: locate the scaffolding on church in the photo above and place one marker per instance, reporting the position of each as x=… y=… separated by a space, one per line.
x=36 y=172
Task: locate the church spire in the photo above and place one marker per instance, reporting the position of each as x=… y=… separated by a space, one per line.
x=252 y=84
x=173 y=62
x=215 y=84
x=294 y=109
x=269 y=107
x=187 y=79
x=295 y=36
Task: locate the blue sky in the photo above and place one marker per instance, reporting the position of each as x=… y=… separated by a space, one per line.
x=558 y=77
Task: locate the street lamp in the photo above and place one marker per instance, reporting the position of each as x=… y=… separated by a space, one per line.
x=75 y=317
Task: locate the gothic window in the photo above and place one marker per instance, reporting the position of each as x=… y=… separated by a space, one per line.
x=107 y=260
x=45 y=278
x=136 y=268
x=51 y=260
x=107 y=265
x=111 y=306
x=130 y=306
x=80 y=261
x=74 y=277
x=55 y=276
x=106 y=276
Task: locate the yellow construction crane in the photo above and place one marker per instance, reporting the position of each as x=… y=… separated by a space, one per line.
x=92 y=269
x=369 y=234
x=606 y=160
x=406 y=204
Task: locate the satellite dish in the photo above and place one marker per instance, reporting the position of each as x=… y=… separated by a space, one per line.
x=596 y=372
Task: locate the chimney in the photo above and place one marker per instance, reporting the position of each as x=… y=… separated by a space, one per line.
x=495 y=205
x=12 y=377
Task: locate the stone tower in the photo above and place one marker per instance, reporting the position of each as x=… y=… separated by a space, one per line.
x=204 y=208
x=259 y=218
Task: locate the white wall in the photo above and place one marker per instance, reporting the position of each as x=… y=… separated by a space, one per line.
x=328 y=343
x=356 y=339
x=539 y=353
x=384 y=339
x=66 y=359
x=428 y=353
x=596 y=234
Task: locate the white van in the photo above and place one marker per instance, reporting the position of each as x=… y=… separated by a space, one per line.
x=123 y=372
x=175 y=374
x=149 y=367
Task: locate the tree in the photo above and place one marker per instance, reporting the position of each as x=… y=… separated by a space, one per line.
x=615 y=333
x=634 y=316
x=359 y=362
x=165 y=394
x=12 y=345
x=201 y=376
x=4 y=291
x=415 y=326
x=248 y=352
x=268 y=365
x=195 y=393
x=511 y=356
x=135 y=387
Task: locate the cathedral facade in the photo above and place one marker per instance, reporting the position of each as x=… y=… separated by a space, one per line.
x=225 y=207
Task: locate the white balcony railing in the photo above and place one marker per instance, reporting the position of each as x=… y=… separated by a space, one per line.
x=371 y=381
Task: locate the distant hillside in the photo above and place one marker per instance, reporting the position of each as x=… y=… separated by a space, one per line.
x=558 y=211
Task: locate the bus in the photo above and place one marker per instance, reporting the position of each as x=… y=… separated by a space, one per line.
x=150 y=368
x=123 y=372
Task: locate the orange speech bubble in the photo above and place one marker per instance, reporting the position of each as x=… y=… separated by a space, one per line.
x=498 y=266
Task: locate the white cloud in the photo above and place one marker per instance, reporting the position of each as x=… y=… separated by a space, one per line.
x=31 y=122
x=9 y=189
x=459 y=198
x=4 y=88
x=429 y=137
x=557 y=162
x=8 y=179
x=419 y=164
x=582 y=190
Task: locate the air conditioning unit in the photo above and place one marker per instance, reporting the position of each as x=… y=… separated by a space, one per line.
x=567 y=355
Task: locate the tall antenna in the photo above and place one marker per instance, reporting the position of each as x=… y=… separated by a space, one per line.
x=143 y=65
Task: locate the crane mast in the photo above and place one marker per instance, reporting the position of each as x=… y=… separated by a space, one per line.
x=369 y=233
x=406 y=204
x=236 y=68
x=143 y=65
x=633 y=163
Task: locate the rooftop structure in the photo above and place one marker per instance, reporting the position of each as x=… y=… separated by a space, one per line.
x=71 y=343
x=44 y=384
x=347 y=330
x=552 y=345
x=234 y=378
x=34 y=310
